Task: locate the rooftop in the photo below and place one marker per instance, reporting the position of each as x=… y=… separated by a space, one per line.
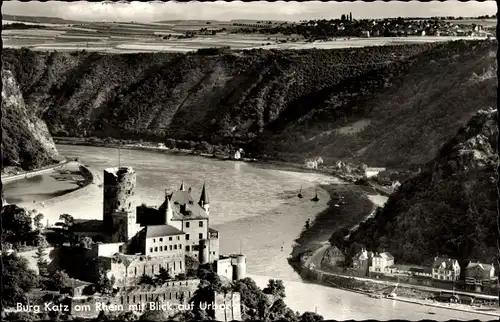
x=184 y=207
x=83 y=225
x=162 y=230
x=448 y=262
x=485 y=267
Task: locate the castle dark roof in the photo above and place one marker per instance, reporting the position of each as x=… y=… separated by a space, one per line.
x=211 y=230
x=83 y=225
x=204 y=197
x=162 y=230
x=185 y=208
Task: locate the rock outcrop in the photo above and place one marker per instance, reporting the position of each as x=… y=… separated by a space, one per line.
x=26 y=141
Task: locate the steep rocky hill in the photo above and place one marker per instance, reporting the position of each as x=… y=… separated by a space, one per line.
x=450 y=208
x=392 y=106
x=26 y=141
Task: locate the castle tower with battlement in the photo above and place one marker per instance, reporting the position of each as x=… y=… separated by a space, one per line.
x=119 y=216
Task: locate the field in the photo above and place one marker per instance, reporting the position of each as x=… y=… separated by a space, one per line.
x=484 y=22
x=123 y=37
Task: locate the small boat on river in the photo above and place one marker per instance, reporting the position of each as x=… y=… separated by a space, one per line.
x=300 y=193
x=315 y=199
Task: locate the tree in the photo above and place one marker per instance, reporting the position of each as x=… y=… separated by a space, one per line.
x=40 y=255
x=105 y=284
x=38 y=222
x=41 y=244
x=16 y=225
x=310 y=317
x=17 y=279
x=275 y=288
x=163 y=276
x=58 y=281
x=68 y=221
x=86 y=242
x=147 y=280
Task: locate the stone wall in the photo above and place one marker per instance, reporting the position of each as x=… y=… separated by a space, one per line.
x=227 y=306
x=128 y=269
x=224 y=268
x=135 y=299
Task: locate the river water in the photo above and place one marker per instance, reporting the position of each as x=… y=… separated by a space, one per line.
x=256 y=211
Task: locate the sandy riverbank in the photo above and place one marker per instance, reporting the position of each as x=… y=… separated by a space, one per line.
x=53 y=208
x=349 y=204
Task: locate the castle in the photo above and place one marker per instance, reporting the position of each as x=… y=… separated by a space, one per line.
x=139 y=240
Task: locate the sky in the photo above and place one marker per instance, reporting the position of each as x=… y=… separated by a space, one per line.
x=220 y=10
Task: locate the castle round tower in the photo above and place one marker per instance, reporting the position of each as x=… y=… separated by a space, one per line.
x=119 y=185
x=239 y=267
x=203 y=252
x=119 y=190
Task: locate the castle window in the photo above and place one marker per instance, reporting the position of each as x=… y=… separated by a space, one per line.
x=170 y=247
x=196 y=247
x=135 y=274
x=170 y=296
x=187 y=248
x=161 y=239
x=174 y=266
x=178 y=237
x=161 y=248
x=180 y=265
x=156 y=249
x=200 y=223
x=154 y=240
x=180 y=246
x=200 y=235
x=121 y=300
x=187 y=224
x=151 y=250
x=213 y=253
x=187 y=236
x=133 y=299
x=170 y=238
x=175 y=246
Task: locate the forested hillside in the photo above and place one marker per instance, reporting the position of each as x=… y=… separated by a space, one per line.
x=392 y=105
x=450 y=208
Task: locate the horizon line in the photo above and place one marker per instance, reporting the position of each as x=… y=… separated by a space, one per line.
x=239 y=19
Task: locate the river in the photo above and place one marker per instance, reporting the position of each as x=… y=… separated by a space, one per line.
x=254 y=209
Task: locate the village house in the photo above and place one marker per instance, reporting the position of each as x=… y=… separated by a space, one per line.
x=380 y=262
x=479 y=273
x=371 y=172
x=362 y=261
x=445 y=269
x=333 y=257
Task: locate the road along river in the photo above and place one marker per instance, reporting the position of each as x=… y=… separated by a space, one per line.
x=253 y=208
